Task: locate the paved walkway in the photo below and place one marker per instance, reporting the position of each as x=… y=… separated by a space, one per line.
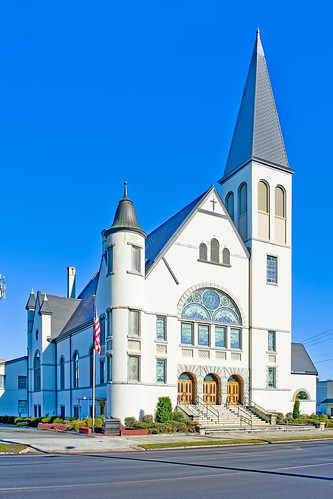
x=51 y=441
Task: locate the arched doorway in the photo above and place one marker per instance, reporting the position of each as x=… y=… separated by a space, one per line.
x=233 y=391
x=185 y=389
x=210 y=390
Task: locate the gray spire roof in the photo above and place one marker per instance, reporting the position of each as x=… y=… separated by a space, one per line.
x=45 y=308
x=125 y=217
x=31 y=304
x=257 y=133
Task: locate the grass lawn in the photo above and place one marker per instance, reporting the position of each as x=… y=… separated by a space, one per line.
x=12 y=448
x=198 y=443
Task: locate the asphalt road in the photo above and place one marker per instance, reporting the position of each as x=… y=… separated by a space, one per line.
x=297 y=470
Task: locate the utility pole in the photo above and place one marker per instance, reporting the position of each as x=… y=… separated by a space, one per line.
x=2 y=287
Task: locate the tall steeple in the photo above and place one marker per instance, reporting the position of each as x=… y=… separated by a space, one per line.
x=257 y=134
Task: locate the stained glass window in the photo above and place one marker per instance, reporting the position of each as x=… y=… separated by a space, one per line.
x=272 y=269
x=160 y=370
x=133 y=368
x=220 y=336
x=187 y=333
x=235 y=338
x=203 y=335
x=271 y=377
x=160 y=328
x=271 y=341
x=211 y=305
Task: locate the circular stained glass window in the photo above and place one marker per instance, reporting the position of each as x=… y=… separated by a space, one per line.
x=196 y=297
x=211 y=299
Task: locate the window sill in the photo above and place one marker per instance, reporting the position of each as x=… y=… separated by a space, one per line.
x=271 y=283
x=133 y=272
x=163 y=342
x=215 y=263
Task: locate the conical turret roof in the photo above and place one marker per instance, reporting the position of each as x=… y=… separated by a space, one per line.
x=31 y=303
x=126 y=217
x=257 y=133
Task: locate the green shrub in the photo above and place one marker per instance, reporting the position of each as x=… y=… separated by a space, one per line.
x=130 y=422
x=178 y=416
x=296 y=411
x=46 y=420
x=58 y=420
x=98 y=422
x=164 y=410
x=16 y=420
x=148 y=418
x=22 y=423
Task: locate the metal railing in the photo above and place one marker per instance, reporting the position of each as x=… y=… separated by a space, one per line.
x=200 y=409
x=258 y=410
x=241 y=412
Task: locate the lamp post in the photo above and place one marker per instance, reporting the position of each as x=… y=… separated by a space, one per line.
x=2 y=287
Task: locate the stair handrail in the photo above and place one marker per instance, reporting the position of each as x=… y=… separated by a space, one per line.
x=200 y=407
x=208 y=408
x=241 y=412
x=260 y=411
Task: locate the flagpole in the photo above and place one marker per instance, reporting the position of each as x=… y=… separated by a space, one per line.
x=93 y=391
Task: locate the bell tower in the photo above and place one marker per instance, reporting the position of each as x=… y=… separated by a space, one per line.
x=257 y=190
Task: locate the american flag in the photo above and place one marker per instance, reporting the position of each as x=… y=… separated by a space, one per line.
x=97 y=332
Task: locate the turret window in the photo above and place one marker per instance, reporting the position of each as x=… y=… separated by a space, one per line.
x=110 y=259
x=134 y=323
x=102 y=326
x=271 y=269
x=136 y=259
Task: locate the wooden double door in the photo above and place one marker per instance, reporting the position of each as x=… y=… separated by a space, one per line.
x=233 y=391
x=185 y=391
x=210 y=391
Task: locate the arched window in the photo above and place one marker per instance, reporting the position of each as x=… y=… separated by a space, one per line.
x=302 y=396
x=242 y=210
x=76 y=370
x=214 y=251
x=226 y=256
x=203 y=252
x=91 y=365
x=102 y=326
x=280 y=214
x=62 y=372
x=37 y=372
x=229 y=202
x=263 y=210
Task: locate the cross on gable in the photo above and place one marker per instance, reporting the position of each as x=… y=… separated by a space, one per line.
x=214 y=202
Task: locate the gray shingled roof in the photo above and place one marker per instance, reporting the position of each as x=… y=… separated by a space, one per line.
x=158 y=239
x=83 y=314
x=90 y=288
x=300 y=360
x=62 y=309
x=31 y=303
x=257 y=133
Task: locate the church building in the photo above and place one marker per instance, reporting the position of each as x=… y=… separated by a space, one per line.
x=199 y=309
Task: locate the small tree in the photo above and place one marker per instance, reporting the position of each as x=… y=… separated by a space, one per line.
x=296 y=411
x=164 y=410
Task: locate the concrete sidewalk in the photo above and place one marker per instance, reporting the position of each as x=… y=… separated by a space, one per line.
x=51 y=441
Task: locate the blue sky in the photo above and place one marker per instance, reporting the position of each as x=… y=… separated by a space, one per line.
x=93 y=93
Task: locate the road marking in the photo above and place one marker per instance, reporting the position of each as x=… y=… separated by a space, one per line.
x=307 y=466
x=128 y=482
